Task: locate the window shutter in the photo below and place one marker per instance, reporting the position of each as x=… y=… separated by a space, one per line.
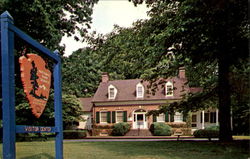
x=211 y=117
x=172 y=117
x=185 y=117
x=125 y=116
x=201 y=117
x=215 y=117
x=166 y=117
x=108 y=117
x=97 y=117
x=113 y=117
x=154 y=118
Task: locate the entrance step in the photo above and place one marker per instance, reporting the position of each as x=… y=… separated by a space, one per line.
x=139 y=132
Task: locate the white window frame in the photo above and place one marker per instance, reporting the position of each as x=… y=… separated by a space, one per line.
x=109 y=92
x=101 y=122
x=137 y=91
x=178 y=117
x=158 y=117
x=172 y=89
x=116 y=117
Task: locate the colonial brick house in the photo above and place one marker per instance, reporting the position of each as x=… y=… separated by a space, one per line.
x=128 y=101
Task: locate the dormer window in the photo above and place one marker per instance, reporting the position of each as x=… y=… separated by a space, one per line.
x=169 y=89
x=139 y=90
x=112 y=91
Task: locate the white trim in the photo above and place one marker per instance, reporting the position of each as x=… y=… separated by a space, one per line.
x=116 y=116
x=137 y=91
x=172 y=89
x=217 y=117
x=178 y=117
x=203 y=120
x=101 y=117
x=157 y=118
x=115 y=91
x=145 y=121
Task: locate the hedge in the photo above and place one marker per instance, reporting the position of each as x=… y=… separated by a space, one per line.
x=74 y=134
x=120 y=129
x=203 y=133
x=160 y=129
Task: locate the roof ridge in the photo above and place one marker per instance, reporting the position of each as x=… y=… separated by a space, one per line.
x=126 y=80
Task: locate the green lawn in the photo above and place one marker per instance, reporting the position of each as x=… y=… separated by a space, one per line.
x=135 y=150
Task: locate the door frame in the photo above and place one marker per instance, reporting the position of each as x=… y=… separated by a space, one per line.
x=135 y=122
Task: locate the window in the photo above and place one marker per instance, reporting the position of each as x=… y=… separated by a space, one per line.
x=194 y=125
x=161 y=118
x=103 y=117
x=139 y=90
x=206 y=117
x=194 y=118
x=178 y=117
x=212 y=117
x=169 y=89
x=112 y=92
x=119 y=116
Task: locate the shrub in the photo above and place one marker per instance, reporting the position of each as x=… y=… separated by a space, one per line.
x=213 y=128
x=34 y=136
x=120 y=129
x=160 y=129
x=74 y=134
x=203 y=133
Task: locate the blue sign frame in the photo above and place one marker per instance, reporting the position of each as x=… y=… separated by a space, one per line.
x=8 y=32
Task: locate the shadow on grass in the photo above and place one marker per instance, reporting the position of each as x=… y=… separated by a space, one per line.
x=170 y=150
x=39 y=156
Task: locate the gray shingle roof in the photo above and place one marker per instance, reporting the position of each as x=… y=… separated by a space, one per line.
x=86 y=104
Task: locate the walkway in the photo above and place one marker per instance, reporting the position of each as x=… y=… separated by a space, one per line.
x=115 y=139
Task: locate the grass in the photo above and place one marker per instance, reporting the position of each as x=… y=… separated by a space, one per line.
x=242 y=137
x=135 y=150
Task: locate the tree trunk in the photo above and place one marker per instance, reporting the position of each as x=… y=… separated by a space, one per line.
x=224 y=100
x=224 y=63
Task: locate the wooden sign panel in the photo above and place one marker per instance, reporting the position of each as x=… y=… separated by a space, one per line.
x=36 y=80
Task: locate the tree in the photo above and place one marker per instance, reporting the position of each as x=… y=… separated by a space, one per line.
x=207 y=31
x=49 y=21
x=71 y=111
x=81 y=73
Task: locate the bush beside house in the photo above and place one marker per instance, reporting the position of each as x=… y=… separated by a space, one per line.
x=120 y=129
x=160 y=129
x=74 y=134
x=209 y=132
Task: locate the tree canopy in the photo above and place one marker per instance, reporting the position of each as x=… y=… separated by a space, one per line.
x=207 y=32
x=47 y=22
x=209 y=38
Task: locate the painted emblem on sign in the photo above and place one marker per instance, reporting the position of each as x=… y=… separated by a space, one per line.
x=36 y=80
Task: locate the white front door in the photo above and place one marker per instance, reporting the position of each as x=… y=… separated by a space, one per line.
x=139 y=121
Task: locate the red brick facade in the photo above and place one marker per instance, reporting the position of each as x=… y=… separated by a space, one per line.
x=118 y=101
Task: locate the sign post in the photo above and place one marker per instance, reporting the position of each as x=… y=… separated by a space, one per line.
x=8 y=31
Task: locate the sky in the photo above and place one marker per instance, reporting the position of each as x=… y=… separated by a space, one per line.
x=105 y=14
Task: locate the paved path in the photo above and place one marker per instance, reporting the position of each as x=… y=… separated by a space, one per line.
x=137 y=139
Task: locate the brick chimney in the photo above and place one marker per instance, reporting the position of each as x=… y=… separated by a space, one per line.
x=105 y=77
x=182 y=72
